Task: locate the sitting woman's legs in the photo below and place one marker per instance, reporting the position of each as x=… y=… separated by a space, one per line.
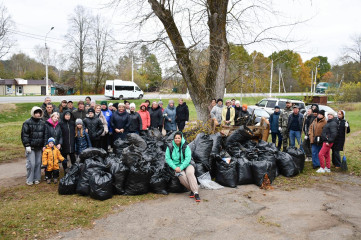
x=188 y=179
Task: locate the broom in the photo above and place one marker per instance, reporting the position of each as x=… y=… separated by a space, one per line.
x=344 y=161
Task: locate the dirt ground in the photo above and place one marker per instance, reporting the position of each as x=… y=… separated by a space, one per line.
x=324 y=211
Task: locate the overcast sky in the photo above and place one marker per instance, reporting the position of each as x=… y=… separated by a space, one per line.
x=332 y=24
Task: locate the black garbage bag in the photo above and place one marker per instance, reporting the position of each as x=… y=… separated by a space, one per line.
x=158 y=182
x=298 y=157
x=286 y=164
x=67 y=185
x=200 y=169
x=265 y=155
x=101 y=186
x=250 y=144
x=92 y=152
x=90 y=167
x=119 y=172
x=203 y=150
x=192 y=146
x=119 y=145
x=174 y=185
x=266 y=146
x=244 y=170
x=259 y=170
x=169 y=138
x=75 y=169
x=227 y=173
x=131 y=155
x=154 y=133
x=138 y=179
x=137 y=141
x=241 y=135
x=234 y=151
x=217 y=143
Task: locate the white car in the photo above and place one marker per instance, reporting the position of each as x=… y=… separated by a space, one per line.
x=327 y=109
x=122 y=89
x=269 y=104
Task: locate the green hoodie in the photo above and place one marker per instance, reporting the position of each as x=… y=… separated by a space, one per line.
x=177 y=159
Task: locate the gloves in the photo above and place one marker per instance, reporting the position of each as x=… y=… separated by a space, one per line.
x=28 y=149
x=280 y=129
x=346 y=124
x=43 y=166
x=306 y=137
x=269 y=131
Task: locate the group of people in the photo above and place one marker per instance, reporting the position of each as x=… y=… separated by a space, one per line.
x=322 y=131
x=230 y=114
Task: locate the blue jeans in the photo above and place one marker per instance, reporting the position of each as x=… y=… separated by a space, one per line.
x=293 y=136
x=315 y=150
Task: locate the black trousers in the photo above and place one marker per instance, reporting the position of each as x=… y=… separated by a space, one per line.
x=274 y=137
x=95 y=143
x=306 y=145
x=336 y=158
x=52 y=174
x=72 y=159
x=104 y=141
x=181 y=125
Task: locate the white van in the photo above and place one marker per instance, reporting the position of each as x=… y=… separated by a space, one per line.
x=122 y=89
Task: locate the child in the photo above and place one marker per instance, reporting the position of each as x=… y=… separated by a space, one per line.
x=51 y=158
x=82 y=140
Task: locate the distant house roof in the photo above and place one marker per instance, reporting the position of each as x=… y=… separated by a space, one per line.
x=23 y=82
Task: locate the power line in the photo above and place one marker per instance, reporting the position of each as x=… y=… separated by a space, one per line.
x=38 y=37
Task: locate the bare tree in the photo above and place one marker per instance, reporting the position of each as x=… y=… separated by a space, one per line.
x=353 y=52
x=7 y=27
x=78 y=39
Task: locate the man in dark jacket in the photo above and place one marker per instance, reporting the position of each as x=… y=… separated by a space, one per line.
x=329 y=134
x=156 y=117
x=49 y=109
x=306 y=144
x=32 y=137
x=67 y=125
x=46 y=102
x=182 y=114
x=294 y=126
x=343 y=129
x=70 y=106
x=80 y=112
x=95 y=128
x=273 y=120
x=135 y=124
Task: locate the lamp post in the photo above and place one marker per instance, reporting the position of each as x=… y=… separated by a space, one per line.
x=46 y=63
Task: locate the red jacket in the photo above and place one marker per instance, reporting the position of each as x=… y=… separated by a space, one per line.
x=145 y=117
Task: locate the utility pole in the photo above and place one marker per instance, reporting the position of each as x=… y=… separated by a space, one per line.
x=279 y=80
x=132 y=68
x=270 y=87
x=311 y=82
x=314 y=85
x=46 y=64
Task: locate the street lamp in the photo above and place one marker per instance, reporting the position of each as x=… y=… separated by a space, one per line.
x=46 y=63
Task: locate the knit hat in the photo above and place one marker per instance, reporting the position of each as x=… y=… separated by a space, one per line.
x=115 y=105
x=315 y=110
x=51 y=140
x=238 y=102
x=78 y=121
x=160 y=102
x=322 y=112
x=132 y=105
x=245 y=106
x=103 y=103
x=277 y=107
x=91 y=110
x=110 y=104
x=219 y=99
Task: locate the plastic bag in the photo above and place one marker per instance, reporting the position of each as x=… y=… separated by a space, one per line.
x=101 y=186
x=119 y=172
x=241 y=135
x=203 y=150
x=200 y=169
x=138 y=179
x=119 y=145
x=286 y=164
x=298 y=157
x=158 y=183
x=174 y=185
x=67 y=185
x=92 y=152
x=207 y=183
x=259 y=170
x=137 y=141
x=131 y=155
x=226 y=173
x=217 y=143
x=90 y=167
x=244 y=170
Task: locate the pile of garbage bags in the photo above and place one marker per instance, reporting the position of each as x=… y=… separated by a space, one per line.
x=137 y=165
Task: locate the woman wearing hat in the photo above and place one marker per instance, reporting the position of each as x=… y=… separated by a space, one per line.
x=120 y=122
x=135 y=120
x=67 y=125
x=343 y=128
x=95 y=128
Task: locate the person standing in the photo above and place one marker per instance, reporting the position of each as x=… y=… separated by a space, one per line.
x=233 y=102
x=343 y=129
x=48 y=111
x=228 y=114
x=106 y=141
x=82 y=140
x=52 y=129
x=294 y=127
x=120 y=122
x=135 y=121
x=243 y=115
x=283 y=124
x=63 y=106
x=210 y=107
x=94 y=126
x=47 y=100
x=70 y=106
x=329 y=134
x=80 y=112
x=50 y=160
x=127 y=106
x=170 y=114
x=216 y=112
x=160 y=104
x=314 y=133
x=306 y=144
x=67 y=126
x=32 y=137
x=144 y=114
x=273 y=120
x=104 y=136
x=88 y=100
x=237 y=110
x=182 y=114
x=156 y=117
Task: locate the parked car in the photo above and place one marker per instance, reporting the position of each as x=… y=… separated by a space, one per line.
x=327 y=109
x=323 y=86
x=269 y=104
x=258 y=112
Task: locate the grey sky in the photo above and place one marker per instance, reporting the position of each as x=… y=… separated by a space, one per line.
x=333 y=23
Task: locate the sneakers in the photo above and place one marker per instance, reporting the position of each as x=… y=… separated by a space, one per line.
x=197 y=198
x=327 y=170
x=29 y=183
x=321 y=170
x=36 y=182
x=48 y=181
x=308 y=159
x=191 y=195
x=55 y=181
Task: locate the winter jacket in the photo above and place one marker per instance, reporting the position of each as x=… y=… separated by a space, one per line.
x=316 y=128
x=135 y=122
x=237 y=110
x=43 y=107
x=217 y=113
x=53 y=130
x=182 y=113
x=242 y=117
x=170 y=113
x=292 y=118
x=120 y=121
x=33 y=131
x=145 y=117
x=224 y=115
x=273 y=121
x=82 y=142
x=104 y=121
x=51 y=158
x=307 y=121
x=68 y=134
x=46 y=116
x=329 y=132
x=156 y=117
x=79 y=114
x=95 y=127
x=108 y=115
x=283 y=119
x=341 y=135
x=178 y=159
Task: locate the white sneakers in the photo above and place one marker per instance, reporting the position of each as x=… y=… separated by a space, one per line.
x=36 y=182
x=327 y=170
x=324 y=170
x=29 y=183
x=308 y=159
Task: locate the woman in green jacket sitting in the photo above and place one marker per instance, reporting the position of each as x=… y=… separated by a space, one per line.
x=178 y=156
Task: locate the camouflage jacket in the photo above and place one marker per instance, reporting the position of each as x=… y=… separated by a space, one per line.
x=283 y=119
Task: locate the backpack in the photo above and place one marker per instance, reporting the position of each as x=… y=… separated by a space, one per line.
x=171 y=147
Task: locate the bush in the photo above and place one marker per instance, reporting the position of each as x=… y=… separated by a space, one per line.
x=349 y=92
x=191 y=130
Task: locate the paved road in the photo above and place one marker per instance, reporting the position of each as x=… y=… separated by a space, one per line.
x=147 y=96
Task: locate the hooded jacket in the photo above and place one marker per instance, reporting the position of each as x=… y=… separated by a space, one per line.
x=307 y=121
x=95 y=127
x=82 y=142
x=170 y=113
x=340 y=140
x=51 y=158
x=68 y=133
x=33 y=131
x=217 y=113
x=329 y=132
x=273 y=121
x=178 y=159
x=145 y=117
x=182 y=113
x=156 y=117
x=224 y=114
x=104 y=121
x=316 y=128
x=135 y=122
x=108 y=115
x=53 y=130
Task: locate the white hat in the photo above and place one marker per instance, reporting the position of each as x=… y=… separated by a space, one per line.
x=132 y=105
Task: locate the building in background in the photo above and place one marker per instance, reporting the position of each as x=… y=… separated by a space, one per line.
x=22 y=87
